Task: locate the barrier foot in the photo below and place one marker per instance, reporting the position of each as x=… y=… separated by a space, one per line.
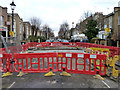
x=98 y=77
x=50 y=73
x=21 y=74
x=64 y=73
x=7 y=74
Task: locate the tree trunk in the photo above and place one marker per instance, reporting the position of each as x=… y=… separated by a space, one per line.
x=117 y=43
x=33 y=30
x=105 y=42
x=95 y=41
x=36 y=32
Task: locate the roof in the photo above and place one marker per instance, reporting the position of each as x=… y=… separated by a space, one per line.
x=110 y=14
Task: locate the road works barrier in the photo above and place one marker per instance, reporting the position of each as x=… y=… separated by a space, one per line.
x=113 y=50
x=35 y=62
x=1 y=62
x=56 y=44
x=111 y=60
x=2 y=50
x=14 y=49
x=44 y=62
x=81 y=63
x=7 y=63
x=98 y=51
x=112 y=63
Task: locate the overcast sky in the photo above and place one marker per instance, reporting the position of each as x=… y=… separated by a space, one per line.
x=55 y=12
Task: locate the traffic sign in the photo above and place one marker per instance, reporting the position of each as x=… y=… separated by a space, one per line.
x=107 y=29
x=11 y=33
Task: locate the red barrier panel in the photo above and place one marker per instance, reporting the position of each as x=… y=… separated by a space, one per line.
x=113 y=50
x=35 y=62
x=0 y=63
x=82 y=63
x=45 y=44
x=2 y=50
x=71 y=62
x=61 y=44
x=32 y=44
x=81 y=44
x=14 y=49
x=56 y=44
x=7 y=65
x=25 y=47
x=118 y=51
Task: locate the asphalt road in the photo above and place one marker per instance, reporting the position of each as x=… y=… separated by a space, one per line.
x=37 y=80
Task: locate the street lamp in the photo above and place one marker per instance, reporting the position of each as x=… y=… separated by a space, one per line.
x=47 y=33
x=12 y=8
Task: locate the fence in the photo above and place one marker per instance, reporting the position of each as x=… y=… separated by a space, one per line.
x=7 y=63
x=42 y=62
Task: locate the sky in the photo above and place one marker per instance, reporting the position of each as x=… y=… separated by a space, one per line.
x=55 y=12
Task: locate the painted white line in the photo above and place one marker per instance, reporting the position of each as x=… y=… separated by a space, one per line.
x=11 y=85
x=106 y=84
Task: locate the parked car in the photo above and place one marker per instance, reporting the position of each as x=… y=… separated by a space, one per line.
x=72 y=40
x=85 y=40
x=63 y=40
x=59 y=40
x=48 y=41
x=78 y=40
x=56 y=40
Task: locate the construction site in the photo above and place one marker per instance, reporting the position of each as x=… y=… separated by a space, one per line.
x=59 y=65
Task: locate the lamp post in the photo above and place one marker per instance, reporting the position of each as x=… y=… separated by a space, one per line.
x=47 y=33
x=12 y=8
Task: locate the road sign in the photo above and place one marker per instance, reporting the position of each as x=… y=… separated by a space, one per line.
x=11 y=33
x=107 y=29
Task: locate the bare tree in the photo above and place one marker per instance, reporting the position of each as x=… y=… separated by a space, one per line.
x=85 y=15
x=48 y=31
x=36 y=24
x=63 y=29
x=81 y=26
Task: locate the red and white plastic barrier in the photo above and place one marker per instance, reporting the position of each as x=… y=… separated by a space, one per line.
x=43 y=62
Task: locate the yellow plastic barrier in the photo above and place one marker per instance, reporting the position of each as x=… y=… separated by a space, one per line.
x=112 y=64
x=110 y=61
x=97 y=51
x=102 y=50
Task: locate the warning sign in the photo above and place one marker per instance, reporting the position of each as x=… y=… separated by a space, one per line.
x=11 y=33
